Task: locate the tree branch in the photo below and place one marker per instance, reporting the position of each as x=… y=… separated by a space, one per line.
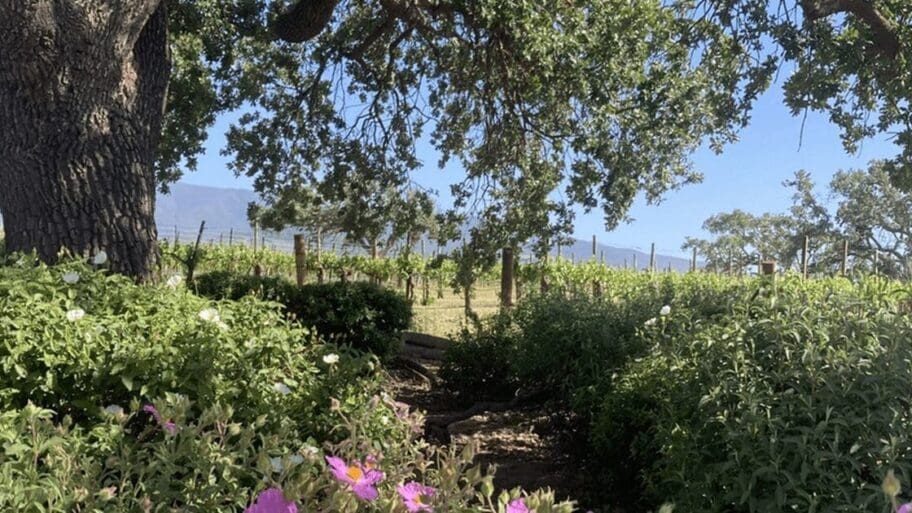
x=304 y=20
x=885 y=37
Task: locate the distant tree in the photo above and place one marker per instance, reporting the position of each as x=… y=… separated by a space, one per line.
x=876 y=218
x=745 y=239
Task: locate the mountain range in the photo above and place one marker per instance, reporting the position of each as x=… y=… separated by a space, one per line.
x=225 y=213
x=180 y=212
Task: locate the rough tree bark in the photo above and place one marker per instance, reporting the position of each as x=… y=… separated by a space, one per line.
x=82 y=94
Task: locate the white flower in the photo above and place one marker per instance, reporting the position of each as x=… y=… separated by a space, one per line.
x=281 y=388
x=75 y=315
x=114 y=410
x=651 y=322
x=100 y=259
x=665 y=310
x=174 y=281
x=296 y=459
x=331 y=359
x=311 y=450
x=276 y=463
x=71 y=277
x=210 y=315
x=221 y=325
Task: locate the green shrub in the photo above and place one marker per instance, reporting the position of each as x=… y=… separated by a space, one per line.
x=366 y=316
x=362 y=315
x=76 y=347
x=793 y=401
x=243 y=401
x=478 y=366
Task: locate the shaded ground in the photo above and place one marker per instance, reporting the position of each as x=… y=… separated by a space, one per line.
x=524 y=442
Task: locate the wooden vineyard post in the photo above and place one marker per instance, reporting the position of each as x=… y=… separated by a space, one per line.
x=876 y=258
x=300 y=253
x=506 y=278
x=596 y=284
x=516 y=281
x=425 y=283
x=257 y=269
x=693 y=261
x=543 y=284
x=768 y=268
x=845 y=257
x=731 y=262
x=231 y=237
x=804 y=257
x=320 y=272
x=652 y=258
x=635 y=263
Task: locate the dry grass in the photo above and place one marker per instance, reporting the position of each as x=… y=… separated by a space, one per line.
x=444 y=317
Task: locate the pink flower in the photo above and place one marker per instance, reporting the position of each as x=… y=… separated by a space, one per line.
x=272 y=501
x=905 y=508
x=362 y=478
x=416 y=496
x=168 y=425
x=402 y=409
x=518 y=506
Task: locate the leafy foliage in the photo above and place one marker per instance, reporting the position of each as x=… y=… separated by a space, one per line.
x=361 y=315
x=85 y=354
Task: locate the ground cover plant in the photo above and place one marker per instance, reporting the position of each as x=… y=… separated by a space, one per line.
x=121 y=397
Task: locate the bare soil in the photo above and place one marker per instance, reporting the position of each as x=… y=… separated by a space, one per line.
x=527 y=444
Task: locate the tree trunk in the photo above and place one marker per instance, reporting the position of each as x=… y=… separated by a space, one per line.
x=82 y=95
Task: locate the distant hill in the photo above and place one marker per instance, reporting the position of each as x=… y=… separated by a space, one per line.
x=225 y=213
x=186 y=205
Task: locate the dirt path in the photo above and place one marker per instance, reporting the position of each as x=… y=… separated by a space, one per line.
x=524 y=442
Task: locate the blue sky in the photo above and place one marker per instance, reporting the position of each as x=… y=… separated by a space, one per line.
x=747 y=175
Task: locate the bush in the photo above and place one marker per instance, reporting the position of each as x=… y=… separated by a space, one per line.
x=77 y=347
x=117 y=397
x=793 y=401
x=478 y=366
x=365 y=316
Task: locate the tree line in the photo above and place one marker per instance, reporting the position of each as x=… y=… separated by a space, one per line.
x=864 y=211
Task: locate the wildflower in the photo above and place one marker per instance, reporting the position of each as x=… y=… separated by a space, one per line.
x=272 y=501
x=416 y=496
x=75 y=314
x=667 y=508
x=518 y=506
x=100 y=259
x=891 y=486
x=210 y=315
x=108 y=493
x=174 y=281
x=331 y=359
x=651 y=322
x=402 y=409
x=361 y=478
x=167 y=425
x=114 y=410
x=71 y=277
x=334 y=404
x=296 y=459
x=905 y=508
x=665 y=310
x=281 y=388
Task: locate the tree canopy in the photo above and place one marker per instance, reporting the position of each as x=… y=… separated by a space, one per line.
x=596 y=99
x=869 y=213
